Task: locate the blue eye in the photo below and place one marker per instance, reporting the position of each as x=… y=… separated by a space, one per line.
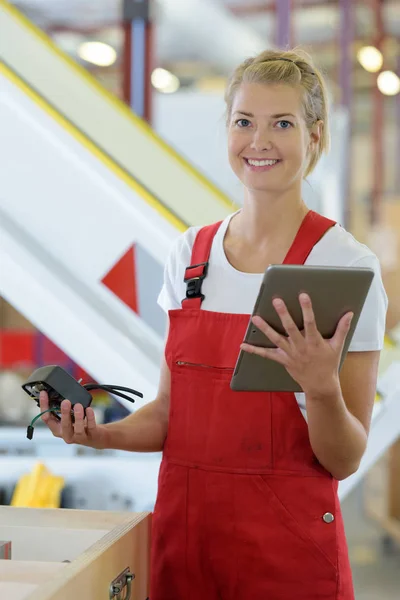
x=287 y=123
x=241 y=121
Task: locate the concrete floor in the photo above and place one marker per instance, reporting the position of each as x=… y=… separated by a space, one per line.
x=376 y=570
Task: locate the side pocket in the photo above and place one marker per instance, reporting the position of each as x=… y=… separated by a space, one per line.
x=304 y=519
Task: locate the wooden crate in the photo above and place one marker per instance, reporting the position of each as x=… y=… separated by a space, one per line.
x=96 y=545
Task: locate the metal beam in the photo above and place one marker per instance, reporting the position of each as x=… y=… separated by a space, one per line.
x=378 y=124
x=346 y=39
x=251 y=9
x=283 y=25
x=257 y=9
x=138 y=36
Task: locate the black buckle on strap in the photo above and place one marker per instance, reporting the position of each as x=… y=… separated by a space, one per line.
x=193 y=284
x=193 y=289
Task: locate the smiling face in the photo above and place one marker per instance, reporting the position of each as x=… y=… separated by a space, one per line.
x=269 y=144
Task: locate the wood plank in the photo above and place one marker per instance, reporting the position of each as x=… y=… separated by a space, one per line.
x=391 y=526
x=61 y=517
x=28 y=571
x=16 y=591
x=50 y=544
x=394 y=482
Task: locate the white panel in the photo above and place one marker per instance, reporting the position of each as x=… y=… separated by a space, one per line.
x=107 y=121
x=52 y=184
x=65 y=219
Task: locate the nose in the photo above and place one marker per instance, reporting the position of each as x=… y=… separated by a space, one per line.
x=261 y=140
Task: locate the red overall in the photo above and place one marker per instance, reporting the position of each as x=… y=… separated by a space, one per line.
x=244 y=510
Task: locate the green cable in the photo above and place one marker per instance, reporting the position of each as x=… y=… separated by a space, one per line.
x=53 y=410
x=29 y=432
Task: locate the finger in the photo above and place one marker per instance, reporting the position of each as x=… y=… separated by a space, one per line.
x=90 y=420
x=310 y=326
x=342 y=330
x=275 y=354
x=290 y=326
x=51 y=421
x=276 y=338
x=79 y=425
x=67 y=430
x=44 y=403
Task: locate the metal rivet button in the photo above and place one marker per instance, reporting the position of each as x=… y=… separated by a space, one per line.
x=328 y=517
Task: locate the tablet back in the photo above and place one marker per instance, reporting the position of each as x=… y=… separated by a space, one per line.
x=334 y=291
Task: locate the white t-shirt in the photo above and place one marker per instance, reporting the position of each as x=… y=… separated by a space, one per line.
x=231 y=291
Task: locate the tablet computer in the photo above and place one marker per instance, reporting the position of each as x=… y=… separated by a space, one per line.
x=334 y=291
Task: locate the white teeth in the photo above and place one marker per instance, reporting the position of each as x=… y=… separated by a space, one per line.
x=261 y=163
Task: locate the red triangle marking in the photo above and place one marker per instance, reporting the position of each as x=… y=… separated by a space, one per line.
x=121 y=279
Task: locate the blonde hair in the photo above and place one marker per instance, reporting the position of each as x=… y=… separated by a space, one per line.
x=294 y=67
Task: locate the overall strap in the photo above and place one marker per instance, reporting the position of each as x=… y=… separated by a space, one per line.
x=195 y=274
x=312 y=229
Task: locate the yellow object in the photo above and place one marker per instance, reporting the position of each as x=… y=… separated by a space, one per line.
x=39 y=489
x=389 y=341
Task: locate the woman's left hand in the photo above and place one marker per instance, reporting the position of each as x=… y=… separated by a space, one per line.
x=310 y=360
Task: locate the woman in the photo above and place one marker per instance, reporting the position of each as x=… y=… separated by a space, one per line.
x=247 y=505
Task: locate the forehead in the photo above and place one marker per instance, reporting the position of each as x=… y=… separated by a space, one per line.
x=262 y=99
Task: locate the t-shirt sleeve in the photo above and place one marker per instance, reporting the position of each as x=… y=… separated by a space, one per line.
x=173 y=289
x=370 y=330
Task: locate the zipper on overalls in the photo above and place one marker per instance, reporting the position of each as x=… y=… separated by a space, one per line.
x=182 y=363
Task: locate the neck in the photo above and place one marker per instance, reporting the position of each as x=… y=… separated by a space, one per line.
x=270 y=220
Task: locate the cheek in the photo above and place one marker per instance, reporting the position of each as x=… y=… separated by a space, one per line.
x=295 y=147
x=306 y=144
x=235 y=147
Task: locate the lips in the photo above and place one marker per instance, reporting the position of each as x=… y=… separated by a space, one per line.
x=265 y=164
x=262 y=162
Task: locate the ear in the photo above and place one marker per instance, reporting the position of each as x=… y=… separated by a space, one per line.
x=315 y=134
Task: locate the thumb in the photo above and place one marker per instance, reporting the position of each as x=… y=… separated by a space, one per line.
x=342 y=330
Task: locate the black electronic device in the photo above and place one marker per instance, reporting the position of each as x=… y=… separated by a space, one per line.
x=60 y=385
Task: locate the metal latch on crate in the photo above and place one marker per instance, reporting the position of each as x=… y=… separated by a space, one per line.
x=123 y=580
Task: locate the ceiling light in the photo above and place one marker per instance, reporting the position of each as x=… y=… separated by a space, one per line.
x=97 y=53
x=389 y=83
x=370 y=58
x=164 y=81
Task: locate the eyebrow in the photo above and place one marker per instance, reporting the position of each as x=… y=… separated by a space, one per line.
x=247 y=114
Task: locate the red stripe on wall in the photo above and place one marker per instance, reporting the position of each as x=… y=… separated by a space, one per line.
x=121 y=279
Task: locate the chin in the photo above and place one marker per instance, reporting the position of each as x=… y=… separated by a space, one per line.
x=263 y=188
x=274 y=187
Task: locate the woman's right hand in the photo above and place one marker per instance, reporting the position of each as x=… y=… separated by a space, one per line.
x=84 y=431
